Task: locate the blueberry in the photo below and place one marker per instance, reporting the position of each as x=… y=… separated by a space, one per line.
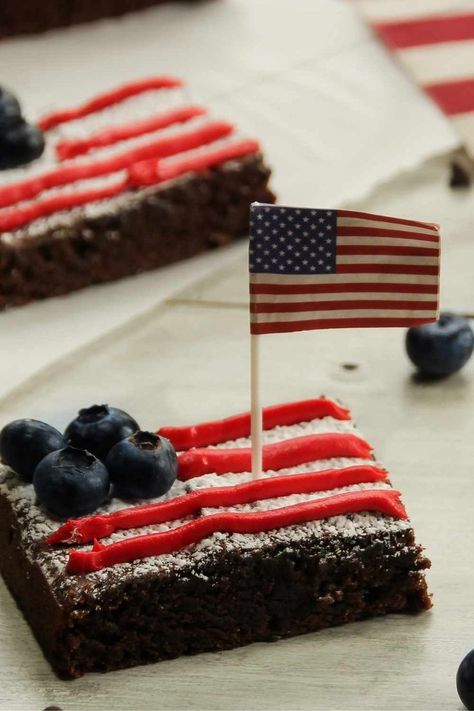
x=441 y=348
x=20 y=143
x=10 y=111
x=24 y=443
x=465 y=680
x=71 y=482
x=98 y=428
x=142 y=466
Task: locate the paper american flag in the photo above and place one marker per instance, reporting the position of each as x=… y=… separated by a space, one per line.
x=313 y=268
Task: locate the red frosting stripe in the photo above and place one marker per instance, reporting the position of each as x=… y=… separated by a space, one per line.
x=84 y=530
x=382 y=500
x=152 y=172
x=110 y=98
x=76 y=147
x=160 y=148
x=20 y=216
x=281 y=455
x=208 y=433
x=14 y=219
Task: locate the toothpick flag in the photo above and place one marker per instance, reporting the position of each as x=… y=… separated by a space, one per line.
x=434 y=41
x=313 y=269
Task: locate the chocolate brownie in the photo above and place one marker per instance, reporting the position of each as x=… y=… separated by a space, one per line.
x=135 y=179
x=29 y=16
x=343 y=549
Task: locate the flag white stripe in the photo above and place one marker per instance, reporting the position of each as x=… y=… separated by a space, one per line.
x=388 y=259
x=368 y=240
x=345 y=313
x=399 y=10
x=350 y=296
x=324 y=279
x=439 y=62
x=386 y=226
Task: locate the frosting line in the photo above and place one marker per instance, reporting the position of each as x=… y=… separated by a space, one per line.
x=72 y=148
x=107 y=99
x=230 y=428
x=86 y=529
x=280 y=455
x=138 y=547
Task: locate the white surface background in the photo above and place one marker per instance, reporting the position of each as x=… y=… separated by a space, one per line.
x=335 y=115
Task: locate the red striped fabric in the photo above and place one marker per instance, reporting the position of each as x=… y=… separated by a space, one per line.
x=454 y=97
x=435 y=44
x=427 y=30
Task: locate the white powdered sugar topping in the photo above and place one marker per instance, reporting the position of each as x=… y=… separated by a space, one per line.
x=36 y=524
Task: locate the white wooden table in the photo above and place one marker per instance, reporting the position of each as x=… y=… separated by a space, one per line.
x=186 y=358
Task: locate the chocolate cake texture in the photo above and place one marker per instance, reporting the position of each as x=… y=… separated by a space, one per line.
x=224 y=591
x=32 y=16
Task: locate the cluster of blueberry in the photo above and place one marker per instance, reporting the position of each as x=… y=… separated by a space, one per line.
x=102 y=451
x=441 y=348
x=20 y=142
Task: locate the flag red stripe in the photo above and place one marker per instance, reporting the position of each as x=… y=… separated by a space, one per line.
x=75 y=147
x=342 y=288
x=107 y=99
x=161 y=148
x=427 y=30
x=380 y=249
x=384 y=218
x=387 y=269
x=383 y=232
x=292 y=306
x=290 y=326
x=454 y=97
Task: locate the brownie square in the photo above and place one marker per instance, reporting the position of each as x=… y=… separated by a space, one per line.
x=226 y=589
x=134 y=179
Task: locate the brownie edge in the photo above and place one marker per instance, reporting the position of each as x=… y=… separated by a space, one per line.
x=226 y=601
x=32 y=16
x=142 y=230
